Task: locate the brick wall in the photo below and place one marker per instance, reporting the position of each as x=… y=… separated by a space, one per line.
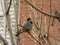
x=26 y=11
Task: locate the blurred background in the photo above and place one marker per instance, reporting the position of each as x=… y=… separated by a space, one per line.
x=14 y=13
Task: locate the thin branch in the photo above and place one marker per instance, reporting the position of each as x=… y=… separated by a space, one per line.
x=49 y=26
x=3 y=40
x=41 y=11
x=34 y=38
x=7 y=12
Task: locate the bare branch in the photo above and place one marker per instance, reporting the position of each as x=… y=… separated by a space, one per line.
x=41 y=11
x=34 y=38
x=7 y=12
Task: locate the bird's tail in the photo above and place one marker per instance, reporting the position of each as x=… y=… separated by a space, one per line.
x=18 y=33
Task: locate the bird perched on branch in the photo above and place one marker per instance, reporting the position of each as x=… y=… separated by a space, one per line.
x=26 y=26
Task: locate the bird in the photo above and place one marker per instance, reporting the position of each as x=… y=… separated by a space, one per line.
x=26 y=26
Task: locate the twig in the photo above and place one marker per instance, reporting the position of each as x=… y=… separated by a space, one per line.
x=33 y=37
x=7 y=12
x=49 y=27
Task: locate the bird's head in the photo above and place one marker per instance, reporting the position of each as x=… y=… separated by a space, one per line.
x=29 y=19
